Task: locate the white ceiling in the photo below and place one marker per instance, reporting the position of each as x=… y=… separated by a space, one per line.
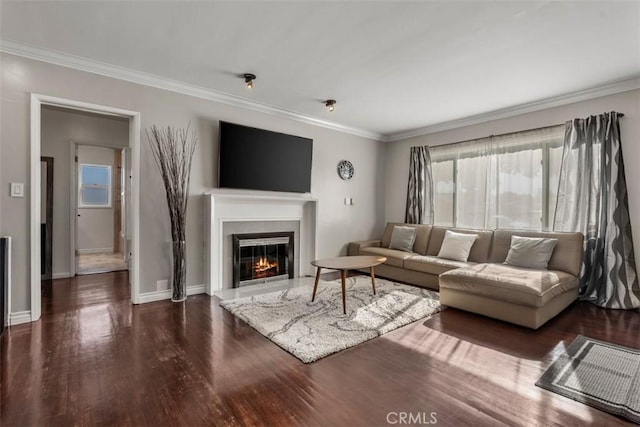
x=392 y=66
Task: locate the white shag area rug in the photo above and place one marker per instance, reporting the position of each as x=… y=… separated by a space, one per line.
x=313 y=330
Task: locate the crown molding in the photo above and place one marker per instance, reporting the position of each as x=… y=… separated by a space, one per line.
x=557 y=101
x=96 y=67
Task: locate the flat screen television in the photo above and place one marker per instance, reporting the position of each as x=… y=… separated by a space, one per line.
x=257 y=159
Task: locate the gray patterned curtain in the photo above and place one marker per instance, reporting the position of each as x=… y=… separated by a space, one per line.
x=592 y=199
x=420 y=189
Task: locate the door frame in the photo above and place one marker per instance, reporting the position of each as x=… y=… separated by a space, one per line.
x=37 y=101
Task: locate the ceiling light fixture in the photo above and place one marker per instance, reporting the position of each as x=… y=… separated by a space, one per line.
x=330 y=104
x=248 y=79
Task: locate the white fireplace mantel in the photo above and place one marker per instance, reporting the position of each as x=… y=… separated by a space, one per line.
x=221 y=207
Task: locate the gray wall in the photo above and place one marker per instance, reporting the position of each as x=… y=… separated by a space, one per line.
x=397 y=153
x=95 y=224
x=59 y=128
x=337 y=223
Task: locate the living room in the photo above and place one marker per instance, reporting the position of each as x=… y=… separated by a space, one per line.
x=380 y=114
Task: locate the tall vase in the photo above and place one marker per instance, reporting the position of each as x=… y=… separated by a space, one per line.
x=179 y=272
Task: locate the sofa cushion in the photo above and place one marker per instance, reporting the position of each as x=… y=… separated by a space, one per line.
x=518 y=285
x=355 y=247
x=479 y=250
x=432 y=264
x=567 y=255
x=394 y=257
x=456 y=246
x=530 y=252
x=402 y=238
x=422 y=236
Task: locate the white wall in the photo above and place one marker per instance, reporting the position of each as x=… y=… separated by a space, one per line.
x=337 y=224
x=628 y=103
x=58 y=128
x=95 y=224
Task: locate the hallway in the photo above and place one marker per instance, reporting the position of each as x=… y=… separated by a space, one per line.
x=100 y=263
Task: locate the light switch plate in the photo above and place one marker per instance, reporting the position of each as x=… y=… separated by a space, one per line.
x=17 y=189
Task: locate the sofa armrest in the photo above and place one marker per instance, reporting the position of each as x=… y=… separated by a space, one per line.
x=355 y=247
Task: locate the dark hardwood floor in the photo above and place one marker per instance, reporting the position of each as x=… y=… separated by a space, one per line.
x=94 y=359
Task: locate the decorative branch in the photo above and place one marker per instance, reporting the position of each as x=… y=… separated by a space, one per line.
x=172 y=151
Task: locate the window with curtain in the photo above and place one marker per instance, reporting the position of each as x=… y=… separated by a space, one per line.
x=505 y=181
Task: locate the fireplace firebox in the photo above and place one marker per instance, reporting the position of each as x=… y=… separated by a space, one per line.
x=262 y=257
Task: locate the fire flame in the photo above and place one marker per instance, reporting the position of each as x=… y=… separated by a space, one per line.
x=263 y=265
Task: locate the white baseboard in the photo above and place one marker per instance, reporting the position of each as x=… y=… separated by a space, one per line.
x=166 y=294
x=195 y=290
x=64 y=275
x=18 y=317
x=94 y=251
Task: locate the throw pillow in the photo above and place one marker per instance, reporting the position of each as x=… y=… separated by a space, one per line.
x=402 y=238
x=456 y=246
x=530 y=252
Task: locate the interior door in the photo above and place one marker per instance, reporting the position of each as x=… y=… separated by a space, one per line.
x=116 y=180
x=125 y=203
x=46 y=218
x=73 y=196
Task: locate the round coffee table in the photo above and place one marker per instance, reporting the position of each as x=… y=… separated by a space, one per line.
x=343 y=264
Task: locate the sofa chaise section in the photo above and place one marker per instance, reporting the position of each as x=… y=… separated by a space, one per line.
x=524 y=296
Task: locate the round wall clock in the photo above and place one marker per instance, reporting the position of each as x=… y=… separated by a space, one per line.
x=345 y=169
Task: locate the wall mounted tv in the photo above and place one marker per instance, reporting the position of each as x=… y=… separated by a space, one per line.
x=257 y=159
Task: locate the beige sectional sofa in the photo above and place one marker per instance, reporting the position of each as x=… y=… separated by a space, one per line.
x=483 y=284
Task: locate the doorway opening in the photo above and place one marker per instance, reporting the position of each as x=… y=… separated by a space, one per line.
x=125 y=240
x=100 y=187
